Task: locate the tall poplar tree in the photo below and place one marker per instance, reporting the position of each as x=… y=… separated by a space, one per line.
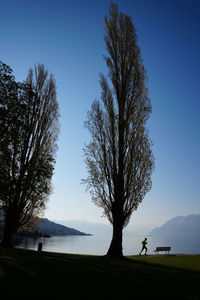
x=119 y=158
x=28 y=133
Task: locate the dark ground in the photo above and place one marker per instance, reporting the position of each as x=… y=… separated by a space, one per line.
x=26 y=274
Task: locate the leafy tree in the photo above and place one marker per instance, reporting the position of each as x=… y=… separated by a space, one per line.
x=29 y=129
x=119 y=157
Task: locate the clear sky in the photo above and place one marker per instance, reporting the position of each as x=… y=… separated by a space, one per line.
x=67 y=36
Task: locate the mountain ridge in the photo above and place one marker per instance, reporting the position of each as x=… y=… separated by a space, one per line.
x=43 y=227
x=49 y=227
x=179 y=226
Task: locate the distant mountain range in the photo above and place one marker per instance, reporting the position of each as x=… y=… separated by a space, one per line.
x=100 y=229
x=87 y=226
x=46 y=228
x=183 y=226
x=179 y=226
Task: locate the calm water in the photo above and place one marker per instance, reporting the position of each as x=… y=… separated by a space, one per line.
x=98 y=244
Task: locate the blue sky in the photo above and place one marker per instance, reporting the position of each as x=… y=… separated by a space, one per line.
x=67 y=36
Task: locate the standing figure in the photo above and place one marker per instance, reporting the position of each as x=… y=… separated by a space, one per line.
x=144 y=243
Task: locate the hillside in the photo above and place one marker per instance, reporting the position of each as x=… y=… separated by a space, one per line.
x=52 y=228
x=183 y=226
x=46 y=228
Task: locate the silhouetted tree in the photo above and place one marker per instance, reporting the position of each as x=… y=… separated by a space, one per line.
x=28 y=132
x=119 y=157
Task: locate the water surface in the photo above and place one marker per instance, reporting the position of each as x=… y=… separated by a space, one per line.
x=99 y=244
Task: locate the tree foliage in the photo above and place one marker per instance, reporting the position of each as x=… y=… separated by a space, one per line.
x=28 y=132
x=119 y=158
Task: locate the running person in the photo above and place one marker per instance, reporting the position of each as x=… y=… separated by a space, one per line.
x=144 y=243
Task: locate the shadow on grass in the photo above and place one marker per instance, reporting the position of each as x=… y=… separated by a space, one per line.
x=32 y=275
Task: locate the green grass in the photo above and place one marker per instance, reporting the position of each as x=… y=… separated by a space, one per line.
x=27 y=274
x=186 y=262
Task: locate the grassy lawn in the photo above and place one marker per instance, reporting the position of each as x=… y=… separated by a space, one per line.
x=28 y=274
x=186 y=262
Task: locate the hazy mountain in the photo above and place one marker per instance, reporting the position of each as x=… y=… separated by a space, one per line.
x=86 y=226
x=106 y=229
x=188 y=226
x=140 y=229
x=52 y=228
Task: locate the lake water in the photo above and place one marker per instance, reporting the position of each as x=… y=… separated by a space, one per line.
x=99 y=244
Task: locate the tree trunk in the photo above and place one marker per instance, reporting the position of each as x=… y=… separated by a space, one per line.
x=9 y=230
x=116 y=249
x=8 y=235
